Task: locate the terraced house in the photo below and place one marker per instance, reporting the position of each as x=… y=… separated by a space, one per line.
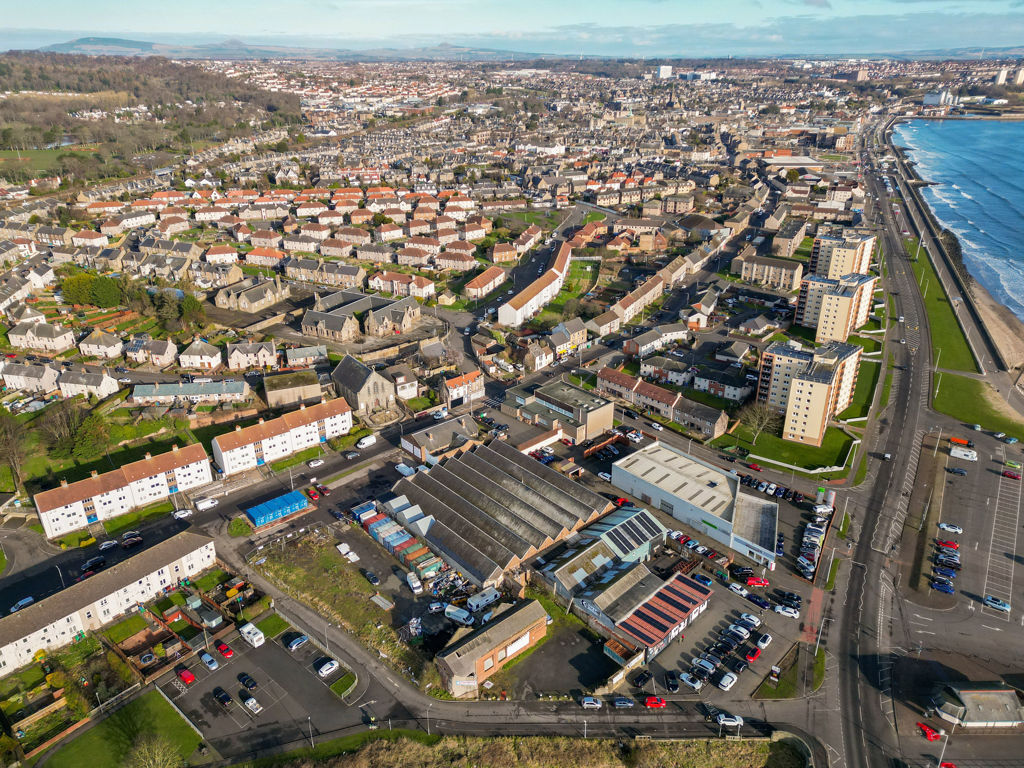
x=72 y=506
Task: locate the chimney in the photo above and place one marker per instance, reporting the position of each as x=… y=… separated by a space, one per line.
x=92 y=473
x=261 y=421
x=63 y=483
x=148 y=456
x=174 y=447
x=238 y=427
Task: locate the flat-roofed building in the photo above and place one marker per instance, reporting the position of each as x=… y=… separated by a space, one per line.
x=558 y=405
x=475 y=655
x=808 y=386
x=251 y=447
x=979 y=704
x=111 y=593
x=836 y=255
x=169 y=393
x=701 y=495
x=789 y=237
x=835 y=308
x=72 y=506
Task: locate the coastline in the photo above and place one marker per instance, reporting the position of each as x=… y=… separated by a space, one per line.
x=1004 y=328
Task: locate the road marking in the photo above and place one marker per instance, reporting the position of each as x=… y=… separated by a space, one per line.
x=924 y=632
x=997 y=629
x=925 y=618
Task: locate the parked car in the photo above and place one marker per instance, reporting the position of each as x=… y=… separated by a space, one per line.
x=181 y=514
x=742 y=592
x=185 y=675
x=224 y=649
x=313 y=494
x=764 y=641
x=209 y=661
x=785 y=610
x=622 y=702
x=643 y=679
x=315 y=463
x=605 y=476
x=950 y=528
x=727 y=680
x=700 y=578
x=590 y=702
x=671 y=681
x=252 y=705
x=223 y=697
x=654 y=702
x=326 y=667
x=296 y=641
x=997 y=604
x=759 y=601
x=729 y=721
x=247 y=682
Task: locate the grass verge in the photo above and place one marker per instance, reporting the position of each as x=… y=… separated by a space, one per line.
x=239 y=528
x=109 y=743
x=343 y=685
x=867 y=380
x=833 y=571
x=832 y=452
x=117 y=525
x=299 y=458
x=272 y=626
x=844 y=526
x=974 y=402
x=819 y=669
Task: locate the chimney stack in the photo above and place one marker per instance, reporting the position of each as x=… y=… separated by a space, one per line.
x=92 y=473
x=63 y=483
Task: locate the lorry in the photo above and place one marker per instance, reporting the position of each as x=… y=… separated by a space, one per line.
x=961 y=441
x=963 y=453
x=251 y=635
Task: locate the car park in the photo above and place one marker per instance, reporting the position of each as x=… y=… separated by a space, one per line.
x=947 y=544
x=1011 y=474
x=295 y=642
x=749 y=620
x=997 y=604
x=738 y=665
x=741 y=571
x=324 y=490
x=740 y=630
x=764 y=641
x=185 y=675
x=209 y=661
x=700 y=578
x=752 y=655
x=313 y=494
x=770 y=490
x=703 y=663
x=944 y=562
x=643 y=679
x=946 y=573
x=671 y=682
x=756 y=581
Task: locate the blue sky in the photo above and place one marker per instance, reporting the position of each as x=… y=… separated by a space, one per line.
x=607 y=27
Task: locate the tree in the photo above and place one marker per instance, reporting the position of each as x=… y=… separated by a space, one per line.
x=154 y=751
x=13 y=448
x=757 y=417
x=58 y=426
x=192 y=311
x=77 y=288
x=379 y=219
x=91 y=438
x=105 y=292
x=792 y=175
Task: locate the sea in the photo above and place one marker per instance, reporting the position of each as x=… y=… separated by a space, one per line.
x=979 y=194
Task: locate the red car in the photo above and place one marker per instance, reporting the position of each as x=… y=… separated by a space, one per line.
x=621 y=501
x=753 y=655
x=225 y=649
x=313 y=494
x=947 y=544
x=186 y=676
x=711 y=554
x=324 y=490
x=1011 y=475
x=654 y=702
x=929 y=733
x=756 y=581
x=755 y=467
x=10 y=355
x=567 y=441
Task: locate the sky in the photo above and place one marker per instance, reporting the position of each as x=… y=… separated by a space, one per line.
x=653 y=28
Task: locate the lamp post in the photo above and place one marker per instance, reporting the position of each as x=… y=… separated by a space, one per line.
x=327 y=640
x=309 y=722
x=945 y=743
x=428 y=717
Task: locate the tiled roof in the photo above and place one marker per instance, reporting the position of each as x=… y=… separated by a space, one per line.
x=280 y=425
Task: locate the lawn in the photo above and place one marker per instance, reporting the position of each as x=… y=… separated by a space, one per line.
x=587 y=382
x=869 y=344
x=833 y=571
x=593 y=216
x=832 y=453
x=418 y=403
x=121 y=631
x=803 y=251
x=948 y=340
x=867 y=380
x=706 y=398
x=211 y=580
x=546 y=221
x=972 y=402
x=36 y=159
x=343 y=684
x=272 y=626
x=239 y=528
x=110 y=741
x=299 y=458
x=883 y=399
x=115 y=525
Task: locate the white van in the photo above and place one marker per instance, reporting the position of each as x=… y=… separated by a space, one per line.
x=414 y=583
x=405 y=470
x=251 y=635
x=366 y=442
x=483 y=599
x=204 y=504
x=458 y=615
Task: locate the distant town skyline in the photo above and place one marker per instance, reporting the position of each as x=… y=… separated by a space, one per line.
x=653 y=28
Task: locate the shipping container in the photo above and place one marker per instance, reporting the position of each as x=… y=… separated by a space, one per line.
x=394 y=542
x=360 y=510
x=429 y=569
x=366 y=522
x=277 y=508
x=412 y=541
x=411 y=556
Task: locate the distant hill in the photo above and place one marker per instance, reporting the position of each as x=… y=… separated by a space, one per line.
x=238 y=49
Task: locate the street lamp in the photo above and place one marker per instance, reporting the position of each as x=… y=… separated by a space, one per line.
x=428 y=717
x=327 y=640
x=945 y=742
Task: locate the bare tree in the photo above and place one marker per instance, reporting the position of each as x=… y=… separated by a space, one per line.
x=60 y=422
x=154 y=751
x=757 y=417
x=13 y=448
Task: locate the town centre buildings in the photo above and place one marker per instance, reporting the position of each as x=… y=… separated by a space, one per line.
x=702 y=496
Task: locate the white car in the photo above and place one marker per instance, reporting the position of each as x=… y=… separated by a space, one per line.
x=253 y=705
x=692 y=682
x=315 y=463
x=182 y=514
x=327 y=668
x=605 y=476
x=740 y=630
x=724 y=718
x=438 y=415
x=764 y=641
x=785 y=610
x=655 y=426
x=741 y=591
x=728 y=681
x=770 y=490
x=950 y=528
x=750 y=620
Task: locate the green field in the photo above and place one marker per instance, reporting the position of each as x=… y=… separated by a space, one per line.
x=971 y=401
x=948 y=343
x=109 y=743
x=593 y=216
x=867 y=380
x=117 y=525
x=36 y=159
x=832 y=452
